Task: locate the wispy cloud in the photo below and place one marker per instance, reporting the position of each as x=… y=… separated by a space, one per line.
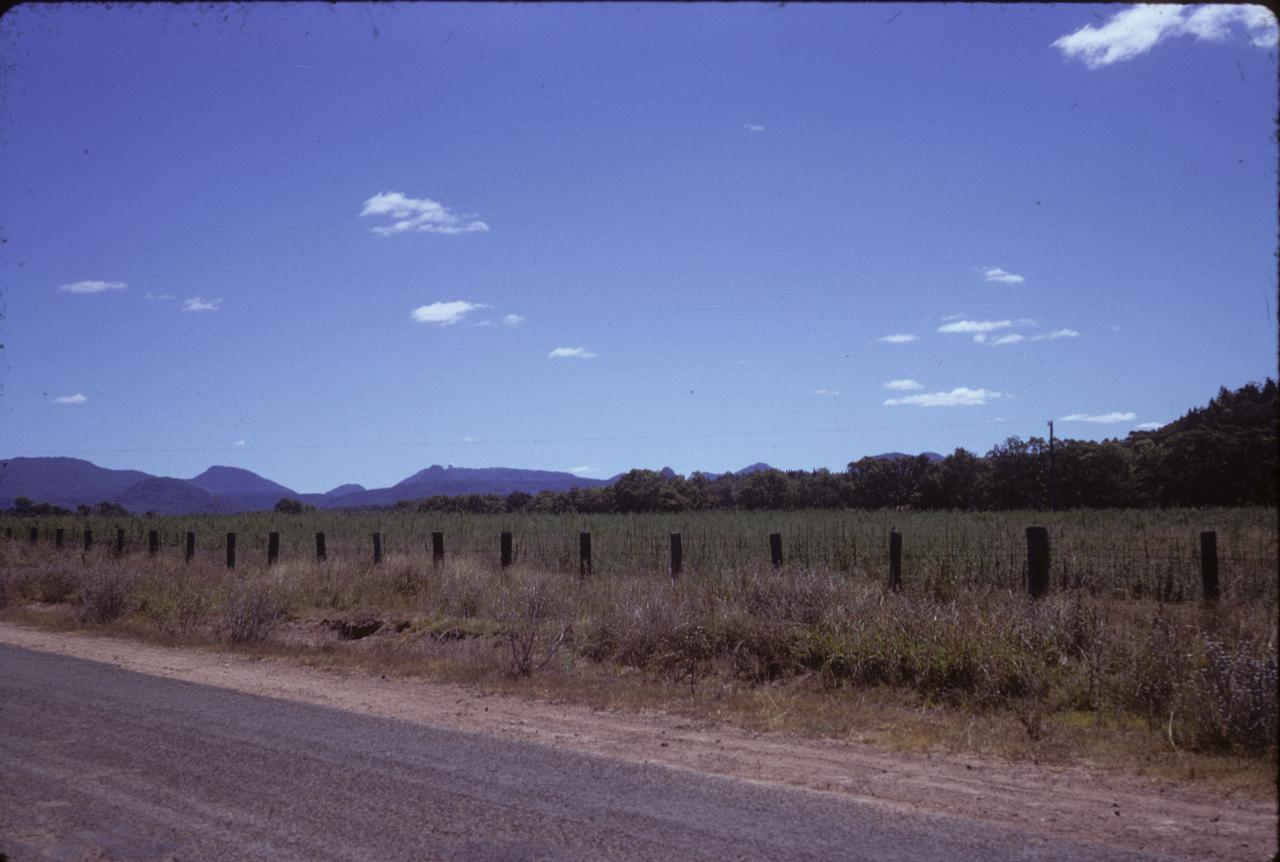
x=585 y=468
x=195 y=303
x=961 y=396
x=1102 y=418
x=1148 y=426
x=78 y=398
x=150 y=295
x=418 y=214
x=445 y=313
x=512 y=319
x=901 y=338
x=953 y=317
x=830 y=393
x=1056 y=334
x=92 y=286
x=906 y=385
x=571 y=353
x=980 y=327
x=1011 y=338
x=239 y=443
x=1134 y=31
x=999 y=275
x=753 y=127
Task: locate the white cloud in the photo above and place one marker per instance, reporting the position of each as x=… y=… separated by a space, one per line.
x=571 y=353
x=999 y=275
x=78 y=398
x=92 y=286
x=1134 y=31
x=1148 y=426
x=445 y=313
x=195 y=303
x=1057 y=333
x=980 y=327
x=239 y=443
x=753 y=127
x=585 y=468
x=961 y=396
x=512 y=319
x=418 y=214
x=953 y=317
x=1011 y=338
x=151 y=295
x=899 y=339
x=827 y=392
x=1103 y=418
x=907 y=385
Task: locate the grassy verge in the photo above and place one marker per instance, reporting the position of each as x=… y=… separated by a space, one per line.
x=1176 y=691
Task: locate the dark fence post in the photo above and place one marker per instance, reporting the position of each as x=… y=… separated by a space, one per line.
x=1037 y=561
x=1209 y=565
x=8 y=532
x=231 y=550
x=191 y=546
x=437 y=548
x=88 y=539
x=504 y=542
x=320 y=547
x=775 y=549
x=153 y=542
x=377 y=548
x=58 y=536
x=895 y=560
x=584 y=555
x=273 y=548
x=35 y=535
x=677 y=556
x=119 y=541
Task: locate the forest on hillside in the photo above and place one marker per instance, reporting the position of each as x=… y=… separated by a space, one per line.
x=1223 y=454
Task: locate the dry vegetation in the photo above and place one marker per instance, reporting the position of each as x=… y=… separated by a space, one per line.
x=1103 y=669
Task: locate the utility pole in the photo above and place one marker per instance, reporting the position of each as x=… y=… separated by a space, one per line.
x=1053 y=476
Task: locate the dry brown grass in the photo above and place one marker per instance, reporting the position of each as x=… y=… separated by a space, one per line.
x=1176 y=691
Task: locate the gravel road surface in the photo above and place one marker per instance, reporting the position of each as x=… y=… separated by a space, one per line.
x=101 y=763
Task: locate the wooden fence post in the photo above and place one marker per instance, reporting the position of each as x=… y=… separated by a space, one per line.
x=504 y=548
x=273 y=548
x=437 y=548
x=584 y=555
x=231 y=550
x=58 y=536
x=320 y=547
x=191 y=546
x=153 y=542
x=35 y=535
x=377 y=548
x=1209 y=565
x=119 y=541
x=895 y=560
x=1037 y=561
x=88 y=540
x=775 y=549
x=8 y=532
x=677 y=556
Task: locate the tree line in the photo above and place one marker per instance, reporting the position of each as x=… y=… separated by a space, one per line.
x=1223 y=454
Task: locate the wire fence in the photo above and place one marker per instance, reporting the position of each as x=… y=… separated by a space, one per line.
x=1129 y=554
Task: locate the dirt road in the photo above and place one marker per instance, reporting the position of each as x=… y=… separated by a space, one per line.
x=194 y=753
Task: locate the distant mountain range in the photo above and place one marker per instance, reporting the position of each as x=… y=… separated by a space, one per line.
x=72 y=482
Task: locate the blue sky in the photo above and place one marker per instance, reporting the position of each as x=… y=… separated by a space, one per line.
x=341 y=243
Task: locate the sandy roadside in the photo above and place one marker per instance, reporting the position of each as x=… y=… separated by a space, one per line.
x=1072 y=803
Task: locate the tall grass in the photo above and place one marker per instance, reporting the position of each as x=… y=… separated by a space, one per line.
x=962 y=633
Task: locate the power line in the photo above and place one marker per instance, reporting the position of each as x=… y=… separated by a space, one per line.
x=466 y=441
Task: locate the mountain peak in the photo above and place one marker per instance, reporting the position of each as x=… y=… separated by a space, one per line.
x=235 y=480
